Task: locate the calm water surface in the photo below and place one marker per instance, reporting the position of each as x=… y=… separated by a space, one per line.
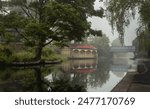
x=92 y=75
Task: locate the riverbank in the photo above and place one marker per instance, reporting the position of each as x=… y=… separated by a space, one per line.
x=136 y=81
x=35 y=63
x=125 y=83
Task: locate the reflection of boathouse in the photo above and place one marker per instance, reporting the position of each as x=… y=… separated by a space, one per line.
x=80 y=51
x=80 y=66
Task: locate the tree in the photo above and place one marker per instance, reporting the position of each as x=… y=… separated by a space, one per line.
x=142 y=44
x=120 y=13
x=102 y=45
x=44 y=22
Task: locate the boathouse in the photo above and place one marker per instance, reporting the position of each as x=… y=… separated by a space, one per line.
x=80 y=51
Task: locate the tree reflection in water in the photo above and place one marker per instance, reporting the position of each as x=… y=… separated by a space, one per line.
x=83 y=73
x=62 y=85
x=21 y=80
x=101 y=75
x=73 y=76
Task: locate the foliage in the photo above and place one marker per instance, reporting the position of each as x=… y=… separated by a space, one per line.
x=120 y=13
x=23 y=56
x=8 y=55
x=21 y=79
x=102 y=45
x=142 y=44
x=145 y=15
x=28 y=55
x=42 y=22
x=5 y=55
x=102 y=75
x=50 y=55
x=62 y=85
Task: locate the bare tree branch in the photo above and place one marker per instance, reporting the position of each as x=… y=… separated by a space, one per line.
x=28 y=11
x=48 y=43
x=18 y=31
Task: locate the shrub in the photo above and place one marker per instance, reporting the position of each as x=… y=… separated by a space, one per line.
x=5 y=55
x=47 y=52
x=50 y=55
x=23 y=56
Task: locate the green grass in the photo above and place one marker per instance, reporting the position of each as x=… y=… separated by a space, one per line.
x=8 y=55
x=51 y=55
x=23 y=56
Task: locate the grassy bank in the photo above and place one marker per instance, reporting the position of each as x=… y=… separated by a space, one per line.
x=9 y=55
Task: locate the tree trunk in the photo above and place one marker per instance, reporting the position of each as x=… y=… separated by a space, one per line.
x=39 y=81
x=38 y=53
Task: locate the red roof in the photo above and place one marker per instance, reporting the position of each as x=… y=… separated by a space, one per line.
x=83 y=46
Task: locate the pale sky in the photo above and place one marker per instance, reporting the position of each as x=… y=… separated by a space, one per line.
x=103 y=24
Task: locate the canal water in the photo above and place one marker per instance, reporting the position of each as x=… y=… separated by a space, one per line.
x=91 y=75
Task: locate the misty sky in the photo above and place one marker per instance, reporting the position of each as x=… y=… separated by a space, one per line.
x=103 y=24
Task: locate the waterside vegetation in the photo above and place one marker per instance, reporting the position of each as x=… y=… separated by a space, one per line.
x=40 y=24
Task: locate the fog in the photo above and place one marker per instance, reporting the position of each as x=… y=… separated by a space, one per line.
x=103 y=24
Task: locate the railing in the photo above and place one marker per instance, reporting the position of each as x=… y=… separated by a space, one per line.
x=122 y=49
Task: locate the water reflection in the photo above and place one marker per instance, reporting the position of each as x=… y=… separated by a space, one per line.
x=73 y=75
x=21 y=80
x=86 y=73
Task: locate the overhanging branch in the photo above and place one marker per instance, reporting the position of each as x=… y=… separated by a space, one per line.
x=48 y=42
x=18 y=31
